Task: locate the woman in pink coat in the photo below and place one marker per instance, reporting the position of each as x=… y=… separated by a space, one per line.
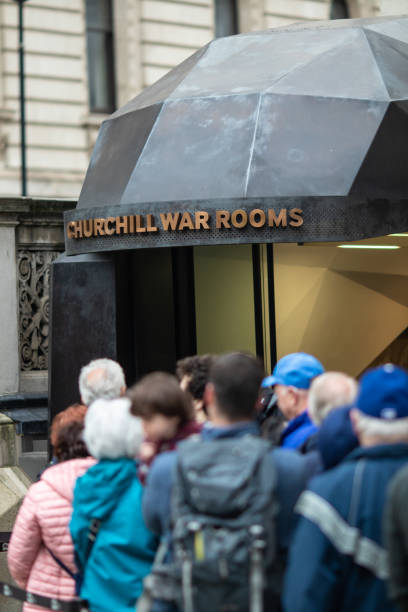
x=42 y=523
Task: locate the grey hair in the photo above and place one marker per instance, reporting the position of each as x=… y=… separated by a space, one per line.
x=111 y=431
x=101 y=379
x=328 y=391
x=388 y=431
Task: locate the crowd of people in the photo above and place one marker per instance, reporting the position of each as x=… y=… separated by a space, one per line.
x=221 y=489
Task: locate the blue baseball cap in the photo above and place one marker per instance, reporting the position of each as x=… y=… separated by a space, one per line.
x=294 y=370
x=383 y=392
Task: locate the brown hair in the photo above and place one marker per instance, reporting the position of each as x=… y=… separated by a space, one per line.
x=69 y=443
x=159 y=393
x=197 y=368
x=75 y=413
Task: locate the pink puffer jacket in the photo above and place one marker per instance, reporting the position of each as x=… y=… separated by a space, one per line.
x=44 y=519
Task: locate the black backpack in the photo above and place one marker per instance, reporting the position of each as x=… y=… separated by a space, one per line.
x=224 y=528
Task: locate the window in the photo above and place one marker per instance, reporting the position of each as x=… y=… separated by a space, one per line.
x=99 y=38
x=226 y=18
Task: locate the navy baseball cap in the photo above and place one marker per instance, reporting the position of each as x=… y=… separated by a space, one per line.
x=383 y=392
x=294 y=370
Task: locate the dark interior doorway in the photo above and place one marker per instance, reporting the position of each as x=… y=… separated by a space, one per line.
x=339 y=9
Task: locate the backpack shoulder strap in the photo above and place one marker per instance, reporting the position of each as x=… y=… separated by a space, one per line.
x=94 y=527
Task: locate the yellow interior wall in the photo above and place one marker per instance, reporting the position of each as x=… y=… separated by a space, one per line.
x=224 y=298
x=344 y=306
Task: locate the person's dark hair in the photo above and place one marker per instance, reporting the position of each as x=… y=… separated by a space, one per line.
x=160 y=393
x=69 y=443
x=197 y=368
x=236 y=378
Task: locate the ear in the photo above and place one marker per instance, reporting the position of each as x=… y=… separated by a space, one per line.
x=293 y=395
x=209 y=394
x=123 y=391
x=198 y=404
x=210 y=400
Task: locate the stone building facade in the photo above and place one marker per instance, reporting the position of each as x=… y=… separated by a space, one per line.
x=147 y=38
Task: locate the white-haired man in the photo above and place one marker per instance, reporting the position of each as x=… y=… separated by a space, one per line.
x=329 y=391
x=101 y=379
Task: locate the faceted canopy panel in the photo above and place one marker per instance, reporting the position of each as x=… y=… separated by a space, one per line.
x=200 y=147
x=305 y=146
x=310 y=110
x=290 y=111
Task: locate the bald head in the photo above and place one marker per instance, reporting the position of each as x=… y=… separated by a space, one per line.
x=101 y=379
x=328 y=391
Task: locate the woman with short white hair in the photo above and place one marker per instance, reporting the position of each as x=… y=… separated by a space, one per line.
x=107 y=501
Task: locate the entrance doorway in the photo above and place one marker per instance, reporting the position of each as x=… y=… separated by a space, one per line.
x=234 y=303
x=345 y=304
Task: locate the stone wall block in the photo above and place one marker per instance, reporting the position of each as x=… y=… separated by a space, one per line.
x=8 y=309
x=13 y=487
x=8 y=442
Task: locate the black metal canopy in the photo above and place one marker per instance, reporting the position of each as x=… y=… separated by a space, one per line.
x=310 y=116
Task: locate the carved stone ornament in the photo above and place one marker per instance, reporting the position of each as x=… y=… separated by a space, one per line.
x=33 y=284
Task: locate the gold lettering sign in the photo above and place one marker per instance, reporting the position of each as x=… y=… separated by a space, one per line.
x=88 y=228
x=169 y=220
x=122 y=225
x=201 y=220
x=70 y=229
x=222 y=219
x=98 y=227
x=296 y=215
x=140 y=228
x=109 y=230
x=277 y=219
x=257 y=218
x=198 y=221
x=78 y=229
x=186 y=222
x=150 y=226
x=239 y=218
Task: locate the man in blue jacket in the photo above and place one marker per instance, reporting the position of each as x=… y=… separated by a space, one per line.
x=337 y=560
x=231 y=397
x=291 y=379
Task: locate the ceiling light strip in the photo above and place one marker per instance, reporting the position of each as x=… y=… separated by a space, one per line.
x=368 y=246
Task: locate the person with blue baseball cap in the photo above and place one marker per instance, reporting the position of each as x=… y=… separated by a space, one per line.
x=338 y=560
x=291 y=380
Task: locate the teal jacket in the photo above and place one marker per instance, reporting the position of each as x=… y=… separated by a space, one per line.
x=124 y=548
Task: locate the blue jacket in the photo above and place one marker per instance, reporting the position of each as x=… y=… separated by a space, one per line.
x=337 y=562
x=124 y=549
x=291 y=470
x=336 y=438
x=297 y=431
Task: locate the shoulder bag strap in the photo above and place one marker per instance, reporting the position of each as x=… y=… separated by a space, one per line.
x=91 y=537
x=61 y=564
